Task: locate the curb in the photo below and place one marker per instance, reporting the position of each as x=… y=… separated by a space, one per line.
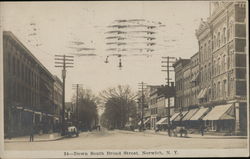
x=202 y=137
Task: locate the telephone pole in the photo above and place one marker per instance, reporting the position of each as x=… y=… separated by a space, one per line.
x=77 y=87
x=141 y=86
x=64 y=62
x=168 y=84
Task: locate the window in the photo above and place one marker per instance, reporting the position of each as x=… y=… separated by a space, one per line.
x=209 y=48
x=218 y=65
x=214 y=91
x=218 y=90
x=230 y=31
x=205 y=51
x=224 y=88
x=224 y=35
x=201 y=51
x=214 y=42
x=224 y=62
x=14 y=65
x=218 y=39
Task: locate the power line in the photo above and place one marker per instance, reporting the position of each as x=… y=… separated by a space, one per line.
x=141 y=86
x=168 y=83
x=60 y=61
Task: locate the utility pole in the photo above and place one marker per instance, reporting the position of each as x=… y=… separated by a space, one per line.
x=77 y=86
x=64 y=62
x=168 y=84
x=141 y=86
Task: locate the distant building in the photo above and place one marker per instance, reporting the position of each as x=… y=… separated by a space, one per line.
x=28 y=89
x=157 y=105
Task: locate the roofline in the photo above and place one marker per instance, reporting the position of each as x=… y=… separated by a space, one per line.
x=11 y=35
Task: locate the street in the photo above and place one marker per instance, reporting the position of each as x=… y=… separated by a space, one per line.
x=119 y=139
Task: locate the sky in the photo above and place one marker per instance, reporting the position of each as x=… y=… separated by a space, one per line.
x=57 y=24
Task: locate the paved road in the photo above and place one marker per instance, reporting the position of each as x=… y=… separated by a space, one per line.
x=127 y=140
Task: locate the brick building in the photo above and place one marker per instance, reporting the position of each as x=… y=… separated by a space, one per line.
x=221 y=79
x=28 y=89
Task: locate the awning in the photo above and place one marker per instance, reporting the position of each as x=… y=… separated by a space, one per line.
x=180 y=116
x=49 y=115
x=190 y=114
x=39 y=113
x=199 y=95
x=174 y=116
x=162 y=121
x=199 y=114
x=28 y=110
x=56 y=118
x=202 y=93
x=146 y=121
x=219 y=112
x=195 y=77
x=20 y=108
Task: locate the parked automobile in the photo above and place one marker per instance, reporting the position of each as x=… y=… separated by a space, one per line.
x=71 y=130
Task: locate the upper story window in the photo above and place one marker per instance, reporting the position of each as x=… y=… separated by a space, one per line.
x=214 y=42
x=209 y=48
x=230 y=30
x=224 y=35
x=218 y=39
x=218 y=65
x=205 y=51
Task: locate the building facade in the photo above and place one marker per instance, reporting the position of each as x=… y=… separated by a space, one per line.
x=218 y=81
x=28 y=89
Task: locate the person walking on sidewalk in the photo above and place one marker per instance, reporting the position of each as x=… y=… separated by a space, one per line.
x=32 y=131
x=202 y=128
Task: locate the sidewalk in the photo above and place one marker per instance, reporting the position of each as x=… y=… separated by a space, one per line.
x=197 y=135
x=37 y=138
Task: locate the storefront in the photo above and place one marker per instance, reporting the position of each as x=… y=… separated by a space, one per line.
x=162 y=124
x=221 y=118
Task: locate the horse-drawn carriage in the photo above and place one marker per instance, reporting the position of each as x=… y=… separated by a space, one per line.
x=180 y=130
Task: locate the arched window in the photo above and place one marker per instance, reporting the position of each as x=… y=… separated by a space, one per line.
x=218 y=90
x=214 y=42
x=218 y=65
x=224 y=35
x=205 y=51
x=209 y=48
x=214 y=92
x=218 y=39
x=230 y=30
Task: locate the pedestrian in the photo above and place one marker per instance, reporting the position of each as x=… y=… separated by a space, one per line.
x=202 y=127
x=32 y=133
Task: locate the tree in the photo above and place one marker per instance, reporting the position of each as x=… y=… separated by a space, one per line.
x=120 y=105
x=87 y=108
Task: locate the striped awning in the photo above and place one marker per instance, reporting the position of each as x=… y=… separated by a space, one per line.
x=28 y=110
x=180 y=116
x=190 y=114
x=174 y=116
x=220 y=112
x=199 y=114
x=162 y=121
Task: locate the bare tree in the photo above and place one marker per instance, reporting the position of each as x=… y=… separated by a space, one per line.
x=120 y=105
